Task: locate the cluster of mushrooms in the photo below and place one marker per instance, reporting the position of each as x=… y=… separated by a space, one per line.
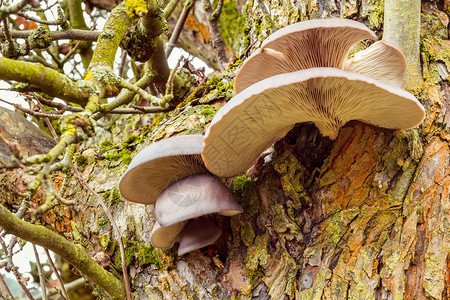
x=171 y=174
x=301 y=73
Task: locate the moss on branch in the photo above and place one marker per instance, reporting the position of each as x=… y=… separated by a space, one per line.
x=48 y=80
x=72 y=253
x=109 y=40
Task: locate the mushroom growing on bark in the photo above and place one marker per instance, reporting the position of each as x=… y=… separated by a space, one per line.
x=322 y=43
x=171 y=174
x=263 y=113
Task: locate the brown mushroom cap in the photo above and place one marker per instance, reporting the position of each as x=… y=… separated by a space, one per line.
x=263 y=113
x=159 y=165
x=303 y=45
x=165 y=237
x=381 y=61
x=192 y=197
x=197 y=234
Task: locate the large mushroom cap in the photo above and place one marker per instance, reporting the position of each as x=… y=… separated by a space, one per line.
x=197 y=234
x=263 y=113
x=308 y=44
x=159 y=165
x=192 y=197
x=165 y=237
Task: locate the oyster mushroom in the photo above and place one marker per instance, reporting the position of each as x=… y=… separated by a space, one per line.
x=171 y=174
x=264 y=112
x=322 y=43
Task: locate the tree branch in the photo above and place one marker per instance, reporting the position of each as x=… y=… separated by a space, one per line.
x=216 y=37
x=73 y=34
x=111 y=36
x=49 y=81
x=72 y=253
x=402 y=29
x=178 y=27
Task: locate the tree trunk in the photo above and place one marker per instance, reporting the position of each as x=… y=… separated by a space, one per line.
x=365 y=216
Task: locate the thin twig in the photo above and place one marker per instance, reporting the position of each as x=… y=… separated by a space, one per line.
x=178 y=27
x=169 y=84
x=57 y=105
x=114 y=225
x=70 y=53
x=37 y=20
x=49 y=124
x=54 y=115
x=140 y=110
x=134 y=88
x=58 y=277
x=40 y=273
x=68 y=286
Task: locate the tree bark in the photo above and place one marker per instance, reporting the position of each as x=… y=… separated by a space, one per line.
x=363 y=217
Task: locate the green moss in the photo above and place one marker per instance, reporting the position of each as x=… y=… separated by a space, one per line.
x=129 y=253
x=144 y=133
x=130 y=140
x=112 y=198
x=247 y=233
x=40 y=38
x=217 y=88
x=102 y=222
x=205 y=113
x=158 y=120
x=105 y=240
x=257 y=256
x=130 y=249
x=106 y=145
x=81 y=160
x=124 y=155
x=244 y=192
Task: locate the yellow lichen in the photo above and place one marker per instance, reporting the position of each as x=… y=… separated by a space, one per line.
x=136 y=8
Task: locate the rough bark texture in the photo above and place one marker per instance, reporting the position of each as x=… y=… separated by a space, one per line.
x=363 y=217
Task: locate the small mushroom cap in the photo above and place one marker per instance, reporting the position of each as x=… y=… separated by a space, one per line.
x=263 y=113
x=192 y=197
x=160 y=164
x=197 y=234
x=165 y=237
x=381 y=61
x=303 y=45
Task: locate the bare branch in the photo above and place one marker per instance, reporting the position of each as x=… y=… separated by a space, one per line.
x=37 y=20
x=58 y=277
x=40 y=273
x=216 y=37
x=73 y=34
x=178 y=27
